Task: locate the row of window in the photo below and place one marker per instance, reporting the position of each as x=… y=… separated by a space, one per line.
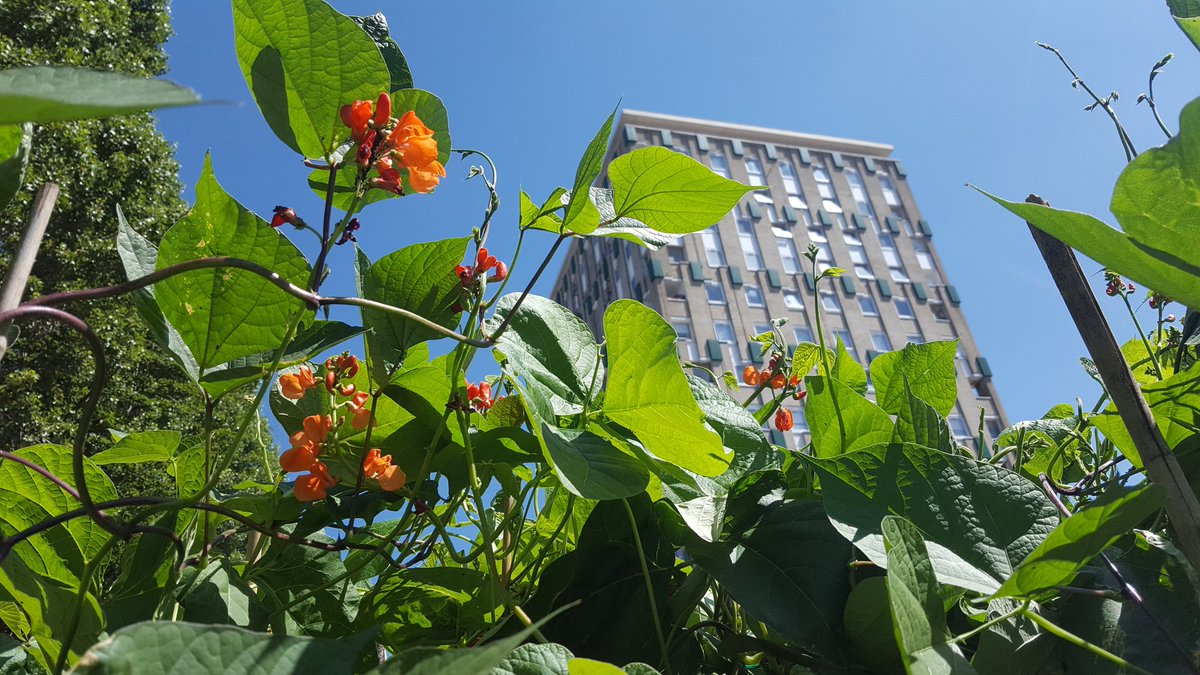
x=963 y=434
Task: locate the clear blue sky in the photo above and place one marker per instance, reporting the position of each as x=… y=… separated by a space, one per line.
x=957 y=87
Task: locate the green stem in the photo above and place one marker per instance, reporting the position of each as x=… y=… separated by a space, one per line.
x=1145 y=340
x=1067 y=636
x=637 y=541
x=85 y=582
x=1000 y=619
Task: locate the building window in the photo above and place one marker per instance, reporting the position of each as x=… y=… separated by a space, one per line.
x=959 y=427
x=675 y=251
x=792 y=300
x=804 y=334
x=892 y=257
x=924 y=257
x=727 y=337
x=800 y=431
x=772 y=212
x=859 y=192
x=960 y=359
x=754 y=171
x=716 y=293
x=889 y=189
x=685 y=340
x=939 y=311
x=847 y=340
x=749 y=241
x=904 y=308
x=787 y=250
x=675 y=290
x=880 y=342
x=993 y=427
x=858 y=256
x=915 y=338
x=829 y=200
x=754 y=296
x=719 y=166
x=867 y=304
x=829 y=301
x=713 y=249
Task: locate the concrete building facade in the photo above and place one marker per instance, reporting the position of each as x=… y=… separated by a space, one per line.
x=849 y=198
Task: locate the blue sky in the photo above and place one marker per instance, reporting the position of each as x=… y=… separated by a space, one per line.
x=957 y=87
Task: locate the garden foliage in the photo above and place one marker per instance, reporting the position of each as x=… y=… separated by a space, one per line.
x=594 y=505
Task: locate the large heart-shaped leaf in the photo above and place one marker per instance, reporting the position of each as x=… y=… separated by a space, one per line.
x=224 y=313
x=979 y=520
x=841 y=419
x=303 y=61
x=928 y=370
x=648 y=393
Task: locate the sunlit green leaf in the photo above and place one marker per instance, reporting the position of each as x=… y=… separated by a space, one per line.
x=841 y=419
x=303 y=61
x=1078 y=539
x=224 y=313
x=376 y=26
x=670 y=191
x=15 y=143
x=1187 y=15
x=580 y=214
x=648 y=394
x=928 y=370
x=55 y=94
x=145 y=446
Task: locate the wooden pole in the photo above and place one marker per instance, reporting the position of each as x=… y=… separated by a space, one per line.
x=22 y=262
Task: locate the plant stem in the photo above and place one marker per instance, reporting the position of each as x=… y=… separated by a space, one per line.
x=1145 y=340
x=1065 y=635
x=637 y=542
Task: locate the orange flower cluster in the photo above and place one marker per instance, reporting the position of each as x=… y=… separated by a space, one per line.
x=379 y=467
x=408 y=144
x=484 y=261
x=306 y=448
x=480 y=396
x=293 y=385
x=754 y=377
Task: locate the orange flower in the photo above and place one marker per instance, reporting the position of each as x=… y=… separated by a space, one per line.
x=311 y=486
x=360 y=414
x=414 y=147
x=300 y=458
x=356 y=115
x=750 y=376
x=293 y=385
x=379 y=467
x=316 y=428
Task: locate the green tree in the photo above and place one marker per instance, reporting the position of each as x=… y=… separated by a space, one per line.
x=99 y=164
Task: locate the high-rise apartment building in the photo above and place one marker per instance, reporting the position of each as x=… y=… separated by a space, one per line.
x=849 y=198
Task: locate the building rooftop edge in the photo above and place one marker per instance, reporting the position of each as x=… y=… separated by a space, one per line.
x=766 y=134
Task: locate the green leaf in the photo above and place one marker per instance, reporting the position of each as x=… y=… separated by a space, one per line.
x=138 y=257
x=588 y=465
x=546 y=342
x=421 y=279
x=48 y=608
x=917 y=422
x=311 y=339
x=544 y=217
x=580 y=214
x=224 y=313
x=178 y=646
x=592 y=667
x=330 y=599
x=671 y=192
x=848 y=371
x=430 y=605
x=147 y=566
x=1078 y=539
x=535 y=659
x=14 y=660
x=979 y=520
x=648 y=393
x=27 y=498
x=56 y=94
x=1112 y=249
x=1156 y=195
x=376 y=27
x=869 y=631
x=918 y=614
x=216 y=595
x=788 y=571
x=15 y=144
x=135 y=448
x=1015 y=645
x=805 y=358
x=841 y=419
x=1187 y=16
x=303 y=61
x=928 y=370
x=474 y=661
x=623 y=227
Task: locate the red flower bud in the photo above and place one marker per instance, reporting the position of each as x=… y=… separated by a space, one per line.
x=383 y=110
x=750 y=376
x=778 y=382
x=783 y=419
x=347 y=390
x=283 y=215
x=501 y=272
x=330 y=380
